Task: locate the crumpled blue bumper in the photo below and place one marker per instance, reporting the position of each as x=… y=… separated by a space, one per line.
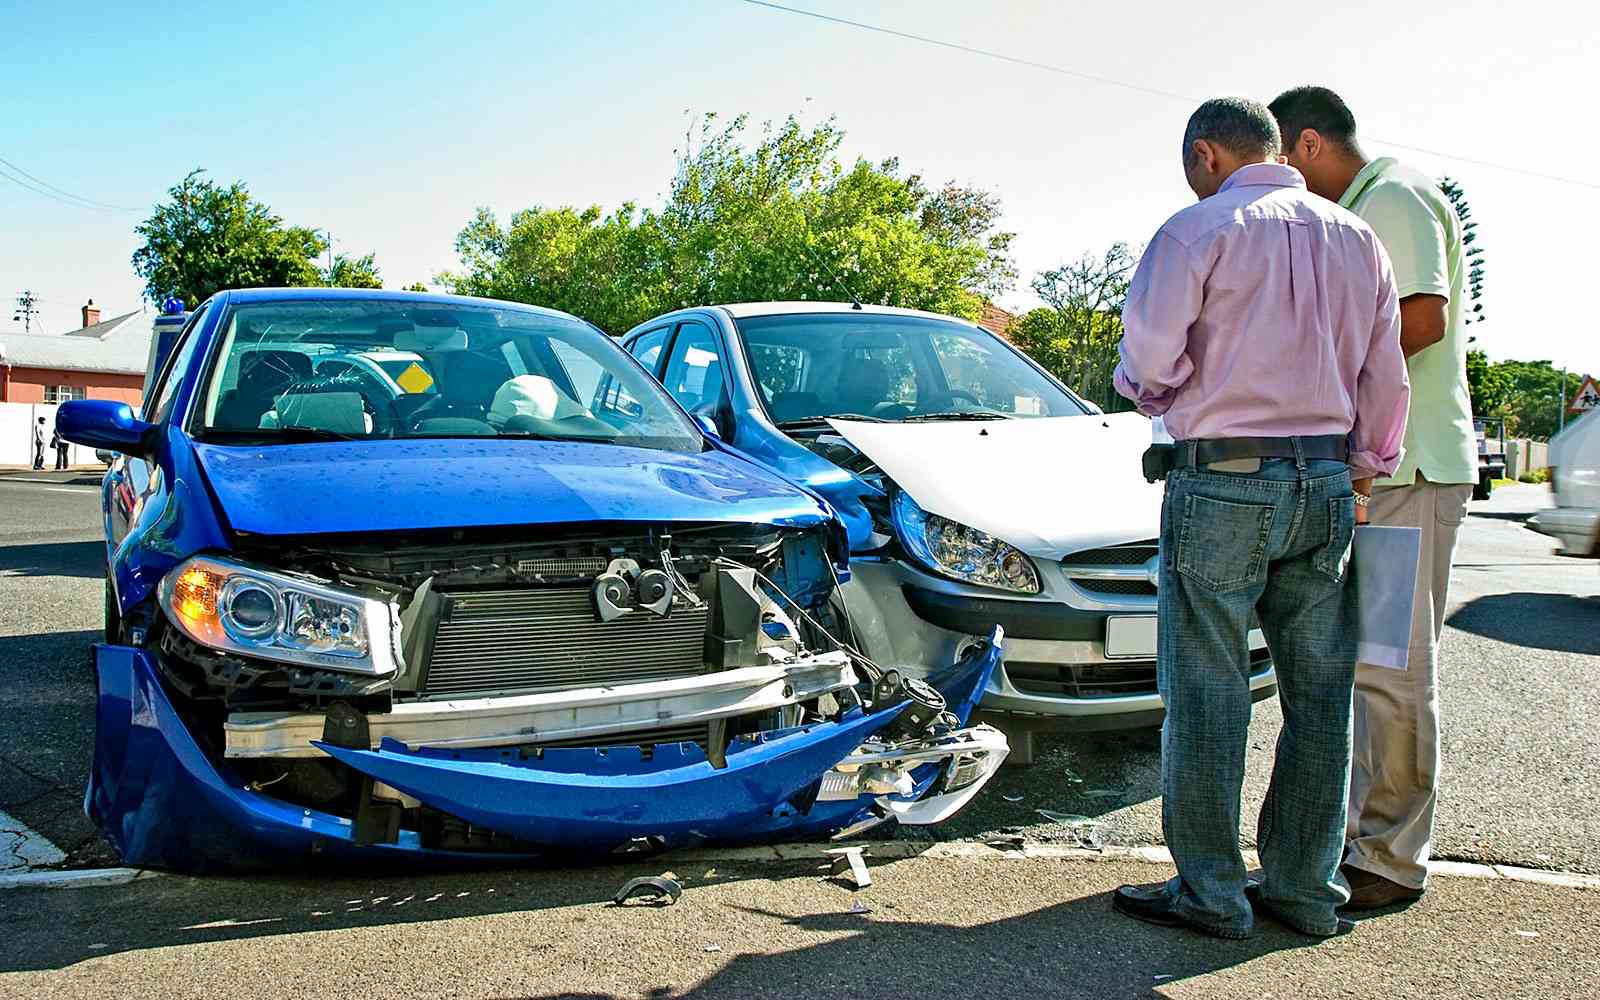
x=165 y=801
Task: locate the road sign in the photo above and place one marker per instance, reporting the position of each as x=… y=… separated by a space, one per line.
x=1586 y=398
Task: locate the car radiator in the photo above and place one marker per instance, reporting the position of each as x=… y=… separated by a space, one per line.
x=504 y=641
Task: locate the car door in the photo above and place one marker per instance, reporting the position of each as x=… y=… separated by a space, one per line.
x=695 y=375
x=647 y=348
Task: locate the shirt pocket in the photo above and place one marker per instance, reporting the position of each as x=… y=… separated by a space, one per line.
x=1333 y=558
x=1222 y=545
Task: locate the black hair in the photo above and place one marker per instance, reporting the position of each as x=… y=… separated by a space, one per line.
x=1237 y=124
x=1316 y=108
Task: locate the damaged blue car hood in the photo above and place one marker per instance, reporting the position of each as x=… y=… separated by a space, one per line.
x=349 y=486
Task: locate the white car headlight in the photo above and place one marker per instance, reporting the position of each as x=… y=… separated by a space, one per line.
x=962 y=552
x=244 y=609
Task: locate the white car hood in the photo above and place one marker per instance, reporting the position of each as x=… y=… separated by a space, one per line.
x=1050 y=486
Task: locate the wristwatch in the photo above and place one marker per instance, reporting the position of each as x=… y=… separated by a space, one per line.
x=1363 y=499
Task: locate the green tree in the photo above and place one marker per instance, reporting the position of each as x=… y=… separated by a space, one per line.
x=1489 y=385
x=416 y=286
x=1076 y=333
x=1469 y=236
x=1534 y=397
x=207 y=237
x=351 y=272
x=773 y=216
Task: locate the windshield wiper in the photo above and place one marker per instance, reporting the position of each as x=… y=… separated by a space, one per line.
x=540 y=436
x=813 y=421
x=958 y=415
x=290 y=432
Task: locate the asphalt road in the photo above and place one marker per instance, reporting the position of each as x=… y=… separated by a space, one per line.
x=926 y=928
x=1521 y=691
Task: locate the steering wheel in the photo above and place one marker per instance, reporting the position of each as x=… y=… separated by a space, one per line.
x=891 y=411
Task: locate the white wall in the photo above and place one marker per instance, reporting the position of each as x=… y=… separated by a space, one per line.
x=16 y=436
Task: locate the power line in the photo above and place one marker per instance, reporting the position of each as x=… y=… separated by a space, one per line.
x=42 y=187
x=1124 y=85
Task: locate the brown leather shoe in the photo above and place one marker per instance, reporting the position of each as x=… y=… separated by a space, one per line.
x=1374 y=892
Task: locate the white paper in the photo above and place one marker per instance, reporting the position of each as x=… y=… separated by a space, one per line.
x=1384 y=572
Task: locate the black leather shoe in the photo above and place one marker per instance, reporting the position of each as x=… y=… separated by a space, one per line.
x=1153 y=905
x=1252 y=892
x=1374 y=892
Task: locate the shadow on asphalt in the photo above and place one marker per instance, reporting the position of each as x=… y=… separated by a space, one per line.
x=1503 y=515
x=1557 y=622
x=81 y=559
x=1043 y=951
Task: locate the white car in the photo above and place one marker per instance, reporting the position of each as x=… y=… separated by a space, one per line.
x=977 y=489
x=1575 y=484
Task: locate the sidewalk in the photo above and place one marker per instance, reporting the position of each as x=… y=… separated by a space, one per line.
x=974 y=928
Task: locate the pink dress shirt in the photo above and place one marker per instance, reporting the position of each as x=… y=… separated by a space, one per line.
x=1266 y=311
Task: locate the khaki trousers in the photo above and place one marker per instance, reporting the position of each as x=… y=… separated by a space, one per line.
x=1394 y=780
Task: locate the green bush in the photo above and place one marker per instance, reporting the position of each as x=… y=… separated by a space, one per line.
x=1536 y=476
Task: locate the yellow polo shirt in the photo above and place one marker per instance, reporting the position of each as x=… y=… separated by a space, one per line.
x=1422 y=233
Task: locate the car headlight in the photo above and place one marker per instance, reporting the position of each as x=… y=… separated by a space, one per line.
x=243 y=609
x=962 y=552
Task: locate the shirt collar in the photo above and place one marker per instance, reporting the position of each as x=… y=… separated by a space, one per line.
x=1369 y=173
x=1264 y=174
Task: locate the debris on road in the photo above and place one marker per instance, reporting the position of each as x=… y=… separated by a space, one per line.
x=659 y=890
x=859 y=907
x=841 y=858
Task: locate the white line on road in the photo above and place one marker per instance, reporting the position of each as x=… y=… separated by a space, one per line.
x=21 y=848
x=84 y=878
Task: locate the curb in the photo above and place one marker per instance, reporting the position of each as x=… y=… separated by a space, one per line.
x=888 y=850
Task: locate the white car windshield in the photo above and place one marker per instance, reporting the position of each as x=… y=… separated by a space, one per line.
x=897 y=368
x=354 y=368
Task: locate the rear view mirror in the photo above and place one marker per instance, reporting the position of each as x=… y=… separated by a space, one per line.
x=707 y=426
x=104 y=423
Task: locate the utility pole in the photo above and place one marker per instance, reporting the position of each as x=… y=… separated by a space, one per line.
x=1561 y=421
x=27 y=309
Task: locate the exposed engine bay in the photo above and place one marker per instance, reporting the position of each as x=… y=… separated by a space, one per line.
x=441 y=686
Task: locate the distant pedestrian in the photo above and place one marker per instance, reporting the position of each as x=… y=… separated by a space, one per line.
x=60 y=444
x=38 y=444
x=1263 y=325
x=1395 y=783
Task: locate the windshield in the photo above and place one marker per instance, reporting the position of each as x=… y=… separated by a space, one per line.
x=294 y=371
x=895 y=368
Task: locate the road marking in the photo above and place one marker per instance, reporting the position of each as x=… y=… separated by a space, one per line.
x=71 y=489
x=21 y=848
x=84 y=878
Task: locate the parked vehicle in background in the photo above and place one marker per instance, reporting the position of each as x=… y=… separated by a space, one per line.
x=977 y=489
x=1575 y=486
x=420 y=578
x=1491 y=454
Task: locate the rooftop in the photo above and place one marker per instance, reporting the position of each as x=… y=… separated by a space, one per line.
x=120 y=345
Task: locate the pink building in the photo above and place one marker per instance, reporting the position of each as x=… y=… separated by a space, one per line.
x=101 y=360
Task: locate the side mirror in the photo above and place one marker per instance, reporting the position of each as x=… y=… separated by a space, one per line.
x=103 y=423
x=707 y=426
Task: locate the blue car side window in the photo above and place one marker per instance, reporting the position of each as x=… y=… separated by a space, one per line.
x=172 y=377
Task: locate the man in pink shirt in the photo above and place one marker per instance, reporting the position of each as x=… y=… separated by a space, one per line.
x=1263 y=325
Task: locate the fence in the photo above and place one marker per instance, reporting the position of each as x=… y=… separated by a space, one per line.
x=17 y=421
x=1524 y=456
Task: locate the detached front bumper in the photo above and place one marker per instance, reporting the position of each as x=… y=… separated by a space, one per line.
x=165 y=799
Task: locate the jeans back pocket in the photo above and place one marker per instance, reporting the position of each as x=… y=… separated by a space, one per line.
x=1223 y=544
x=1333 y=559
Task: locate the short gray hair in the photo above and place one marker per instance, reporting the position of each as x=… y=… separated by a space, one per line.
x=1237 y=124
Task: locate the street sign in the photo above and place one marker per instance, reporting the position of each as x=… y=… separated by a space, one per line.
x=1586 y=398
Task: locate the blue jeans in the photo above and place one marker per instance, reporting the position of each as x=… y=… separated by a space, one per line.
x=1276 y=542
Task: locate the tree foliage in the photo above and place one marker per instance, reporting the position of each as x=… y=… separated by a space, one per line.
x=1474 y=255
x=775 y=215
x=1488 y=384
x=206 y=237
x=352 y=272
x=1076 y=333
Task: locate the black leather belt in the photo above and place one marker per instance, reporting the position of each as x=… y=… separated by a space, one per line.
x=1163 y=458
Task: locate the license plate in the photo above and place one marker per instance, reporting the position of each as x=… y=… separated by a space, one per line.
x=1131 y=638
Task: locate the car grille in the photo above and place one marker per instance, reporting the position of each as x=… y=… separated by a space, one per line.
x=503 y=641
x=1098 y=680
x=1096 y=569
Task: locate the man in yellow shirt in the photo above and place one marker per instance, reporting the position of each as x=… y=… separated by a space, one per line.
x=1394 y=778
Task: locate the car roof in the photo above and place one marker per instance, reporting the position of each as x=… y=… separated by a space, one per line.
x=297 y=294
x=740 y=310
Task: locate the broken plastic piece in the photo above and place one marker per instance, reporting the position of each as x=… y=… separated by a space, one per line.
x=859 y=907
x=661 y=891
x=1012 y=798
x=712 y=947
x=851 y=857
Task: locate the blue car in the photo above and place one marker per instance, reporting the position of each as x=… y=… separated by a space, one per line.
x=403 y=576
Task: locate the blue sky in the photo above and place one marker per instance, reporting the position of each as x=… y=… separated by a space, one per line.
x=388 y=124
